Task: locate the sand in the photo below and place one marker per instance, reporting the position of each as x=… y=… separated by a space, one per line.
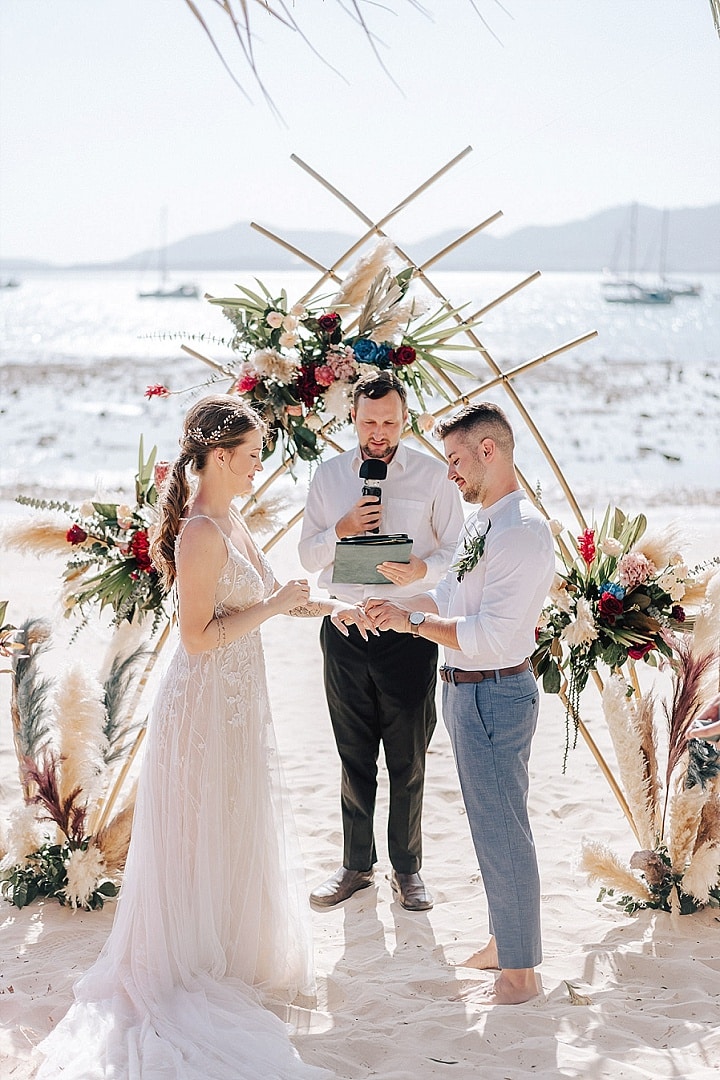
x=391 y=1003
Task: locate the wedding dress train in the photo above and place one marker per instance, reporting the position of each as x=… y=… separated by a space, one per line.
x=213 y=908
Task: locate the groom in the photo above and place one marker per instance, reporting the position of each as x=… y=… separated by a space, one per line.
x=484 y=613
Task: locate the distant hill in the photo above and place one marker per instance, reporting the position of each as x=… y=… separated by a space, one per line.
x=593 y=243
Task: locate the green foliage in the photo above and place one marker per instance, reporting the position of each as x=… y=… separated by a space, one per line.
x=44 y=874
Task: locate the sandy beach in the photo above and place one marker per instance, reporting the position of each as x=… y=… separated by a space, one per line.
x=391 y=1004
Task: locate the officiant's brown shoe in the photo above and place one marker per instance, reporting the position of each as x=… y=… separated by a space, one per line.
x=411 y=891
x=340 y=886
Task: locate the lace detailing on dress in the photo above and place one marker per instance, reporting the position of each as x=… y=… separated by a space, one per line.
x=214 y=899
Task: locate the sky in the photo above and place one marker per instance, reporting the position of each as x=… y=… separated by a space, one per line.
x=111 y=110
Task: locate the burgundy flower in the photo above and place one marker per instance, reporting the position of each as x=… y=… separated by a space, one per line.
x=76 y=535
x=586 y=544
x=639 y=651
x=403 y=355
x=677 y=613
x=610 y=606
x=157 y=390
x=140 y=549
x=329 y=322
x=307 y=387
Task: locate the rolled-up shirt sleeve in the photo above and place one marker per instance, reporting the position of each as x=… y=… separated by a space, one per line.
x=512 y=572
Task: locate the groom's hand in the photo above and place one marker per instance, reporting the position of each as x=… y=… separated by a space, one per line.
x=387 y=616
x=345 y=615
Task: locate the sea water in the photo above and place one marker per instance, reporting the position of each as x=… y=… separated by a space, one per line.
x=630 y=417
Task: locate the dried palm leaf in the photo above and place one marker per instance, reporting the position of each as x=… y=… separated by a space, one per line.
x=660 y=547
x=707 y=624
x=602 y=865
x=114 y=840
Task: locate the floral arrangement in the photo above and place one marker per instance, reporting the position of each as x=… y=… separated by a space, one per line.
x=68 y=737
x=675 y=803
x=111 y=539
x=619 y=596
x=297 y=364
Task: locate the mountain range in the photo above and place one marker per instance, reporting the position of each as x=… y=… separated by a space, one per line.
x=594 y=243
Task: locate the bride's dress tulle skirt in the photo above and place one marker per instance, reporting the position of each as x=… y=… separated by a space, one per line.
x=213 y=915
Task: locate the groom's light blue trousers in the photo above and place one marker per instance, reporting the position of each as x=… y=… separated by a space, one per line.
x=491 y=725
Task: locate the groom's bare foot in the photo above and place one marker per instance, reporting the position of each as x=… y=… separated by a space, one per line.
x=512 y=987
x=486 y=959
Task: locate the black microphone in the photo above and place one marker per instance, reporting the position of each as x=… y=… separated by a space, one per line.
x=373 y=469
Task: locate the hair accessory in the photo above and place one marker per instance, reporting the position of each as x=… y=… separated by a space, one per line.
x=198 y=434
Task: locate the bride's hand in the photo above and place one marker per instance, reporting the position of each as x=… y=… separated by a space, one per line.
x=344 y=615
x=295 y=594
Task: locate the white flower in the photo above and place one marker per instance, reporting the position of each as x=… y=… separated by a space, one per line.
x=274 y=319
x=23 y=836
x=559 y=595
x=611 y=546
x=288 y=339
x=556 y=527
x=84 y=869
x=426 y=421
x=87 y=509
x=125 y=516
x=672 y=581
x=298 y=310
x=289 y=323
x=580 y=630
x=338 y=400
x=543 y=619
x=269 y=362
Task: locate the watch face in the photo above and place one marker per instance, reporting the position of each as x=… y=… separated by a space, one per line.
x=416 y=618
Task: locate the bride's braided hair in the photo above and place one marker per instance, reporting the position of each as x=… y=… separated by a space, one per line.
x=217 y=421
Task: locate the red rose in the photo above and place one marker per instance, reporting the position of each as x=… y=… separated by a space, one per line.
x=329 y=322
x=157 y=390
x=403 y=355
x=610 y=606
x=76 y=535
x=586 y=544
x=639 y=651
x=140 y=549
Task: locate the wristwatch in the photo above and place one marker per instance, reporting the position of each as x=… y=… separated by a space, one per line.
x=416 y=619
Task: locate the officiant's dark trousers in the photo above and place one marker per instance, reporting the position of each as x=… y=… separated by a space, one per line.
x=381 y=691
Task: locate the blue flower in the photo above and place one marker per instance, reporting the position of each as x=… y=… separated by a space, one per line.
x=382 y=356
x=613 y=589
x=365 y=351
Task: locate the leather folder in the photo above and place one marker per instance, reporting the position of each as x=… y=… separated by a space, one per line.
x=357 y=556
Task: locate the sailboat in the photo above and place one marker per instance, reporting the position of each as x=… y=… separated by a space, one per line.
x=164 y=291
x=628 y=290
x=677 y=288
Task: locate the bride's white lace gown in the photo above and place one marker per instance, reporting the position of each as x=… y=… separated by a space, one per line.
x=213 y=901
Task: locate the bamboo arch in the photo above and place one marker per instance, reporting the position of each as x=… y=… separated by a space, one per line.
x=496 y=378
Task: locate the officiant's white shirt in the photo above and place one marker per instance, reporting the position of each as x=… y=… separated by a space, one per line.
x=417 y=499
x=497 y=604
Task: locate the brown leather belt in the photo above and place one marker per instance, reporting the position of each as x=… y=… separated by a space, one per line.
x=457 y=675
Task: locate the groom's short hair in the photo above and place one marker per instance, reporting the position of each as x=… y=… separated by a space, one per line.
x=481 y=419
x=377 y=384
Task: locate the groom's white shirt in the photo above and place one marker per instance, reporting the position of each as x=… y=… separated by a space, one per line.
x=497 y=604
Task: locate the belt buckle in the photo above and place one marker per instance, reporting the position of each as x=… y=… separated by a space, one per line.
x=447 y=674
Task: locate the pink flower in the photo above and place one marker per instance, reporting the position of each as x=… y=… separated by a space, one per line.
x=157 y=390
x=274 y=319
x=294 y=410
x=246 y=383
x=324 y=375
x=635 y=569
x=341 y=360
x=162 y=468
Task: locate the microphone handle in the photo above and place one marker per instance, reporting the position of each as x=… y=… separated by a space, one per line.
x=369 y=490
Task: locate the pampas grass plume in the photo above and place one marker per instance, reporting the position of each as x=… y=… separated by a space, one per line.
x=707 y=623
x=660 y=547
x=265 y=516
x=686 y=807
x=43 y=536
x=703 y=872
x=602 y=865
x=359 y=279
x=619 y=714
x=80 y=718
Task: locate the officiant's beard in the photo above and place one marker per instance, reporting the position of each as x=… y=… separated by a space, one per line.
x=384 y=452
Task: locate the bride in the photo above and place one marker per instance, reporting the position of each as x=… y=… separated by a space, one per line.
x=213 y=909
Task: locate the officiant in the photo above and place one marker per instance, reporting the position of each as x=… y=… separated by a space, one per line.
x=381 y=690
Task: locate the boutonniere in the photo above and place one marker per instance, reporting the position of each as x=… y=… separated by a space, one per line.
x=472 y=553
